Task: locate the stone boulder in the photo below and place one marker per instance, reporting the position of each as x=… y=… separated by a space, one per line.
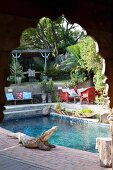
x=46 y=110
x=103 y=118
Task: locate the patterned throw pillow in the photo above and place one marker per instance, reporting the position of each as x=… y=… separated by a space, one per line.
x=19 y=95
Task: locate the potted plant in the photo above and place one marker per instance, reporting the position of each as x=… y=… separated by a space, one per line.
x=43 y=90
x=50 y=89
x=16 y=70
x=43 y=76
x=19 y=76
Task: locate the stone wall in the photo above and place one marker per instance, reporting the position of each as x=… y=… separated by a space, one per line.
x=34 y=88
x=29 y=88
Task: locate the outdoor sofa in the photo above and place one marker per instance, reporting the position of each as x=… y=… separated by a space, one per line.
x=82 y=94
x=19 y=96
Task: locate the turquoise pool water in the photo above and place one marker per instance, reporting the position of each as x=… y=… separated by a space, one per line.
x=72 y=133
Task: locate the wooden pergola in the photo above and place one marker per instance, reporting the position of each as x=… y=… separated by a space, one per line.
x=44 y=52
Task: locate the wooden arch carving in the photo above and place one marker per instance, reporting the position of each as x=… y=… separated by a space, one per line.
x=94 y=16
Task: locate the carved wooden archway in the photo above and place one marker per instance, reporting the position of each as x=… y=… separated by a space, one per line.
x=94 y=16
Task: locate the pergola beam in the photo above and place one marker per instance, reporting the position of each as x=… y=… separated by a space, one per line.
x=32 y=51
x=44 y=52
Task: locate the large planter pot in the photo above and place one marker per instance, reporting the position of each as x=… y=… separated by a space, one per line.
x=43 y=77
x=49 y=98
x=43 y=96
x=18 y=80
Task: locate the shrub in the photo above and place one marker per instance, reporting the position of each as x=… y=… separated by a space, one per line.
x=99 y=80
x=79 y=75
x=58 y=107
x=44 y=86
x=47 y=86
x=85 y=111
x=50 y=86
x=56 y=73
x=16 y=68
x=71 y=83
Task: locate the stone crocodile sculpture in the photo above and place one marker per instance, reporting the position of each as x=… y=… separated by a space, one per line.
x=40 y=142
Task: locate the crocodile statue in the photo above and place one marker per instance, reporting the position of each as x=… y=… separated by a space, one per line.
x=40 y=142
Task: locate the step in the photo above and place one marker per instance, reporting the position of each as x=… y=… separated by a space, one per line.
x=22 y=113
x=27 y=106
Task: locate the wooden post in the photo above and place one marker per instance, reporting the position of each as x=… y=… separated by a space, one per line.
x=112 y=146
x=110 y=118
x=111 y=126
x=45 y=60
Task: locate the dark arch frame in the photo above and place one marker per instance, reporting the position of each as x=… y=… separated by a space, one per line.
x=91 y=15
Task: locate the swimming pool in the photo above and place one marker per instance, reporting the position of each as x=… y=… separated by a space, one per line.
x=72 y=133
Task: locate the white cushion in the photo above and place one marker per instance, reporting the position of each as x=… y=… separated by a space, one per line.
x=59 y=88
x=65 y=90
x=72 y=92
x=80 y=90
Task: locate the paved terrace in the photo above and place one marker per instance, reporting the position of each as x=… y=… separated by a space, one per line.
x=14 y=156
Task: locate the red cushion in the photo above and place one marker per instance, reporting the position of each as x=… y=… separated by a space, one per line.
x=19 y=95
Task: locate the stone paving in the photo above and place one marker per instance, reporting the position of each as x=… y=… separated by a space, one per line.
x=15 y=157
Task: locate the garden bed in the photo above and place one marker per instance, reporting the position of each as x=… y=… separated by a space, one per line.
x=83 y=113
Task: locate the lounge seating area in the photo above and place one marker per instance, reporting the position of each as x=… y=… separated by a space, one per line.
x=83 y=95
x=86 y=95
x=68 y=95
x=19 y=96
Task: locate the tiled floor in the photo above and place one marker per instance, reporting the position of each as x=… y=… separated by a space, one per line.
x=8 y=163
x=15 y=157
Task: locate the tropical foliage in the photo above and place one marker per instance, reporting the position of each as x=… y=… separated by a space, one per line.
x=89 y=55
x=86 y=60
x=77 y=51
x=84 y=53
x=55 y=35
x=50 y=86
x=16 y=68
x=47 y=86
x=44 y=86
x=99 y=80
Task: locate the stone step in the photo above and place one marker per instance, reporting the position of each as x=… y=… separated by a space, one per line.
x=20 y=108
x=22 y=113
x=25 y=107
